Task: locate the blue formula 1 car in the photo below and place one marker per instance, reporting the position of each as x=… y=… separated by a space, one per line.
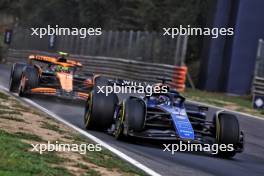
x=162 y=116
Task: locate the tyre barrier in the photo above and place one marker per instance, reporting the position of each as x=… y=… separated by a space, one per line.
x=179 y=78
x=138 y=71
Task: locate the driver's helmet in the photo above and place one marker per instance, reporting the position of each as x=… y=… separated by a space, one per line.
x=59 y=68
x=162 y=99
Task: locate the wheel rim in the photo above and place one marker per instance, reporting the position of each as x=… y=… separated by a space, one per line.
x=11 y=78
x=217 y=130
x=89 y=111
x=22 y=85
x=119 y=123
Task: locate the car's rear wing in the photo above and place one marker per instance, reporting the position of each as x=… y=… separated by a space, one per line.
x=54 y=60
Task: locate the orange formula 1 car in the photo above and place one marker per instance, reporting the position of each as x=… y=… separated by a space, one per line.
x=46 y=75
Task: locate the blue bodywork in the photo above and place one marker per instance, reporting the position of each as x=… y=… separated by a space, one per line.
x=181 y=123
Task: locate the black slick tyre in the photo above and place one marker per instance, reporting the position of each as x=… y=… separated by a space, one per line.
x=29 y=80
x=15 y=76
x=227 y=132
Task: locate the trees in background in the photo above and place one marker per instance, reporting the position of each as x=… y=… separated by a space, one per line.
x=151 y=15
x=109 y=14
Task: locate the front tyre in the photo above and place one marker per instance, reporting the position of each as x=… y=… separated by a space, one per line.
x=15 y=76
x=135 y=112
x=29 y=80
x=131 y=117
x=227 y=132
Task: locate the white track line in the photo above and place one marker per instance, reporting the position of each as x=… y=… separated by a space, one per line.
x=90 y=136
x=235 y=112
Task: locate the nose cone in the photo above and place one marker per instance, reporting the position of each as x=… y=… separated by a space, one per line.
x=66 y=81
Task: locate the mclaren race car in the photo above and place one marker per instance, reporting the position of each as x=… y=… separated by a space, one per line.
x=162 y=116
x=49 y=76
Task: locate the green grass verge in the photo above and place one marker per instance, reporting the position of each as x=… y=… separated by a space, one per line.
x=4 y=107
x=10 y=117
x=2 y=112
x=52 y=127
x=237 y=103
x=92 y=173
x=108 y=160
x=15 y=159
x=28 y=136
x=105 y=158
x=3 y=96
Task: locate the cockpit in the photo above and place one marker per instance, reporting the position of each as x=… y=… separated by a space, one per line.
x=62 y=69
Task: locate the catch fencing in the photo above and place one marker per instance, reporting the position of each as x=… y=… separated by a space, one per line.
x=258 y=81
x=143 y=46
x=135 y=55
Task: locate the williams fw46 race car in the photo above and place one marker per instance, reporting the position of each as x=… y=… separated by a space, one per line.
x=162 y=116
x=44 y=75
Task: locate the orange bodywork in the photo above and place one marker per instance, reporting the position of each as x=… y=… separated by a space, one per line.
x=52 y=91
x=66 y=81
x=43 y=90
x=83 y=95
x=54 y=60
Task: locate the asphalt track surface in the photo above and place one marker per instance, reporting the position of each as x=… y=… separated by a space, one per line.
x=250 y=162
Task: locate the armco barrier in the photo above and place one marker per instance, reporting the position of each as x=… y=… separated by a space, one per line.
x=258 y=92
x=117 y=67
x=258 y=86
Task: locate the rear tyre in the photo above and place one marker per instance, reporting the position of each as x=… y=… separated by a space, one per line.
x=29 y=80
x=227 y=132
x=100 y=81
x=100 y=84
x=15 y=76
x=99 y=111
